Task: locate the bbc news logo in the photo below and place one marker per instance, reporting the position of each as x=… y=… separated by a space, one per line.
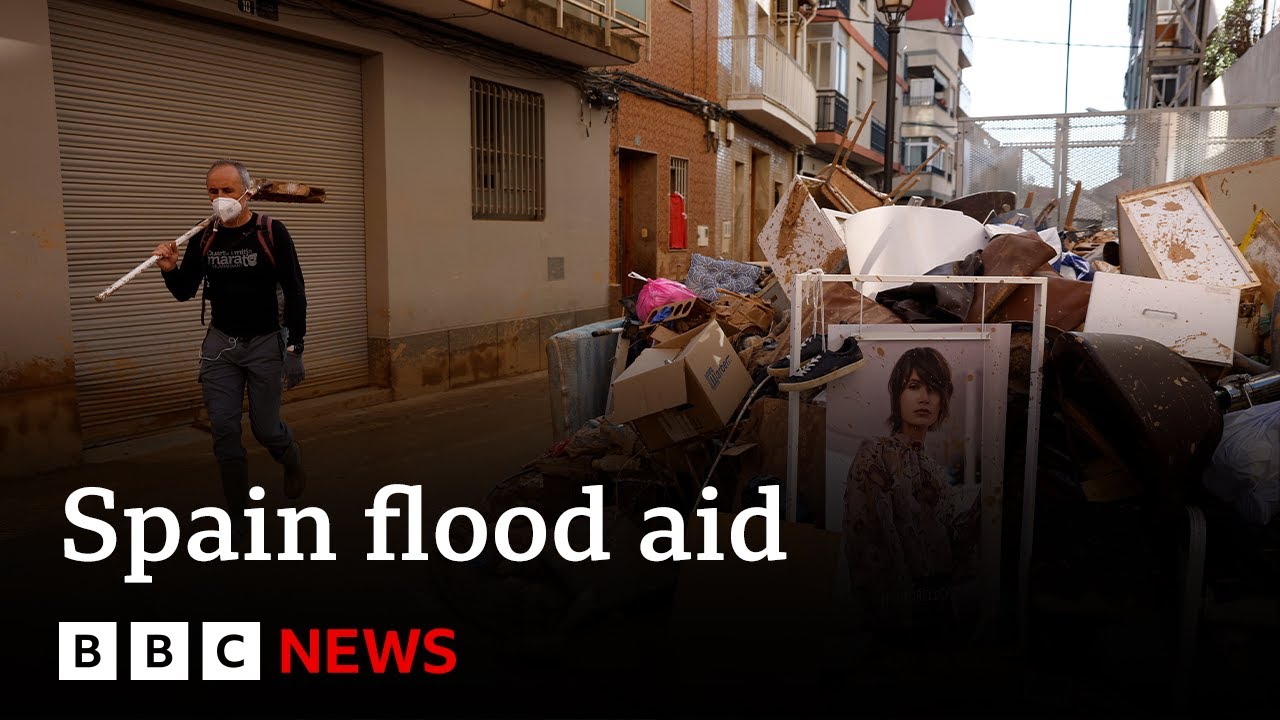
x=233 y=651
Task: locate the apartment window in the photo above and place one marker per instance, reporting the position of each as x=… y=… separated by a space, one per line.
x=860 y=87
x=820 y=64
x=917 y=150
x=508 y=158
x=842 y=68
x=921 y=92
x=1165 y=89
x=680 y=176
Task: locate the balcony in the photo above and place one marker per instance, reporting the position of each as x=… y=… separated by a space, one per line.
x=833 y=111
x=590 y=33
x=842 y=6
x=880 y=39
x=771 y=89
x=919 y=100
x=965 y=99
x=966 y=47
x=932 y=183
x=877 y=136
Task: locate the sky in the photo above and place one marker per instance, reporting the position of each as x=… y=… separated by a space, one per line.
x=1025 y=78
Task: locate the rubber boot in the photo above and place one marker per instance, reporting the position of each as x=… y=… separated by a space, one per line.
x=295 y=478
x=235 y=489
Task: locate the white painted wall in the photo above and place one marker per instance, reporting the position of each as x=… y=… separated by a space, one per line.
x=1251 y=79
x=446 y=270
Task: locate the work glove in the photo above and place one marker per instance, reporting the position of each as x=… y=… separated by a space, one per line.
x=294 y=372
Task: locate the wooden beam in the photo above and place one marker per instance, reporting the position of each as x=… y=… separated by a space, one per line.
x=903 y=185
x=904 y=189
x=865 y=116
x=840 y=151
x=1069 y=223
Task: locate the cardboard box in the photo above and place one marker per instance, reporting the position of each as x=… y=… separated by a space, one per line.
x=682 y=388
x=1237 y=193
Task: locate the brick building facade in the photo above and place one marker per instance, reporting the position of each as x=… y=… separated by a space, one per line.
x=647 y=134
x=731 y=173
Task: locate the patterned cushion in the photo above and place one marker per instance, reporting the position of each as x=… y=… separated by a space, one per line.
x=706 y=274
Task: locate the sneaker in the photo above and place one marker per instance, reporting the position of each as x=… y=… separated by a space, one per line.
x=809 y=348
x=825 y=367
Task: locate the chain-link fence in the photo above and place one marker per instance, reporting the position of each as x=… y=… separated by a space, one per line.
x=1108 y=153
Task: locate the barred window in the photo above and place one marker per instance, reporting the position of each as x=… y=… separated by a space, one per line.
x=508 y=157
x=680 y=176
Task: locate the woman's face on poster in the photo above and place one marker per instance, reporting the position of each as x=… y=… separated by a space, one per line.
x=919 y=405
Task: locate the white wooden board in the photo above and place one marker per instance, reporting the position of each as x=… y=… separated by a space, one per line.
x=799 y=237
x=1236 y=194
x=1169 y=232
x=1196 y=321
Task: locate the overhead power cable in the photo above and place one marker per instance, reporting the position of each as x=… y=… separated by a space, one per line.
x=908 y=28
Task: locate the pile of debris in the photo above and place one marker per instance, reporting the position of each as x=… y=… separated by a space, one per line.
x=694 y=393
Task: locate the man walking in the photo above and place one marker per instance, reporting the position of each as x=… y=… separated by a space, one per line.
x=249 y=269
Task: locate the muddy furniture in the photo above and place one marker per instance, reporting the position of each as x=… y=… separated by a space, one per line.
x=1138 y=424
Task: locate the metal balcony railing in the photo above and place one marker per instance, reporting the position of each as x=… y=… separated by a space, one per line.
x=965 y=98
x=833 y=111
x=966 y=47
x=763 y=69
x=877 y=136
x=880 y=39
x=842 y=5
x=625 y=17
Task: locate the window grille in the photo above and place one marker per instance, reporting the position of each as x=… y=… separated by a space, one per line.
x=508 y=153
x=680 y=176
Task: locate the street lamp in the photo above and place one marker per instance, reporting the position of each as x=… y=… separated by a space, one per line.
x=894 y=11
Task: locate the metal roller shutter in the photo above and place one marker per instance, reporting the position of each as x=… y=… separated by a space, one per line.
x=146 y=100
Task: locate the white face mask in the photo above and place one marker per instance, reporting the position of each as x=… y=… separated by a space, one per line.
x=227 y=208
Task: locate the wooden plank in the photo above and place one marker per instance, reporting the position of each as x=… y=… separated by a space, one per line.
x=1068 y=223
x=902 y=184
x=1237 y=193
x=852 y=191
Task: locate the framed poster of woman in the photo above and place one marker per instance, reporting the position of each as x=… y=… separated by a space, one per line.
x=915 y=463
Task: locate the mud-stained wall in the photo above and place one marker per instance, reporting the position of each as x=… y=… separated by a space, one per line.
x=431 y=362
x=39 y=426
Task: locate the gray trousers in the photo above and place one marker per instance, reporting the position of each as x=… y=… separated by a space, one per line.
x=227 y=367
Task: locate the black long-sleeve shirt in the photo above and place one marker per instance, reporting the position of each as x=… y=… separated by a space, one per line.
x=243 y=283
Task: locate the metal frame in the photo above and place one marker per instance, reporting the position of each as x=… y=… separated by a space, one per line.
x=1063 y=142
x=1041 y=286
x=1146 y=111
x=609 y=15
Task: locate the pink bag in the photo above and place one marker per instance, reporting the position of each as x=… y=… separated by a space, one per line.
x=658 y=292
